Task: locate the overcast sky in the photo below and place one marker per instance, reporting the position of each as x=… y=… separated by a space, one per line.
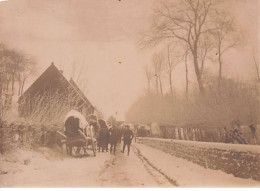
x=100 y=34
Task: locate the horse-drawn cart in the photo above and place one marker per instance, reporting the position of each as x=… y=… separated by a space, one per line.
x=78 y=136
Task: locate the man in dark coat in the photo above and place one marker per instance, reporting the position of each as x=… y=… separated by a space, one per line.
x=103 y=136
x=128 y=137
x=113 y=138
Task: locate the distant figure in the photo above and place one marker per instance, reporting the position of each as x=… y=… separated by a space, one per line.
x=121 y=132
x=93 y=121
x=253 y=131
x=103 y=136
x=226 y=136
x=236 y=133
x=128 y=136
x=141 y=131
x=113 y=138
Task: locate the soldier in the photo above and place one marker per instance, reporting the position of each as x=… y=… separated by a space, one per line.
x=128 y=136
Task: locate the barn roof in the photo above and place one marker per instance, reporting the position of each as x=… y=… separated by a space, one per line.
x=79 y=91
x=57 y=80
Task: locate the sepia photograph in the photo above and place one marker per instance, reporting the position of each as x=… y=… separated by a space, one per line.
x=130 y=94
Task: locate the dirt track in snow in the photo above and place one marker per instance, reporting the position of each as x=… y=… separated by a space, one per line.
x=105 y=170
x=131 y=171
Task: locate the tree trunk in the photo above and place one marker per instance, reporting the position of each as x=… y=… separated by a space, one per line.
x=170 y=70
x=170 y=80
x=187 y=76
x=149 y=87
x=13 y=84
x=157 y=88
x=257 y=69
x=7 y=85
x=19 y=90
x=220 y=66
x=160 y=82
x=219 y=73
x=197 y=71
x=22 y=87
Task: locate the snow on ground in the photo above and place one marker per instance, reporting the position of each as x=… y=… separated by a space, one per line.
x=224 y=146
x=188 y=174
x=145 y=167
x=129 y=171
x=45 y=170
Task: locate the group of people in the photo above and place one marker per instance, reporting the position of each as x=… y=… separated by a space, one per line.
x=112 y=136
x=234 y=134
x=105 y=136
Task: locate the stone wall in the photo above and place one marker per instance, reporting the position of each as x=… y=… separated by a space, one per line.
x=240 y=160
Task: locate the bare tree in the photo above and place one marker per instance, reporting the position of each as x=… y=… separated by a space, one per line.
x=82 y=79
x=27 y=70
x=186 y=73
x=148 y=75
x=226 y=38
x=8 y=68
x=80 y=76
x=206 y=45
x=16 y=67
x=157 y=64
x=256 y=67
x=172 y=61
x=186 y=20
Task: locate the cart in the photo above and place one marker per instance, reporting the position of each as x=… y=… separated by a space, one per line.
x=78 y=135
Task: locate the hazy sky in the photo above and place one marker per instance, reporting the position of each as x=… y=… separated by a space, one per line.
x=100 y=34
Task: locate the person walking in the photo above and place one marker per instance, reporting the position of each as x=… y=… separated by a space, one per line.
x=102 y=139
x=113 y=138
x=103 y=136
x=253 y=131
x=128 y=137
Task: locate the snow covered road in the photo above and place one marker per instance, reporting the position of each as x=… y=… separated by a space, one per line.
x=145 y=167
x=105 y=170
x=188 y=174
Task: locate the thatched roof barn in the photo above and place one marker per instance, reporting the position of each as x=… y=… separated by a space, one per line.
x=51 y=96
